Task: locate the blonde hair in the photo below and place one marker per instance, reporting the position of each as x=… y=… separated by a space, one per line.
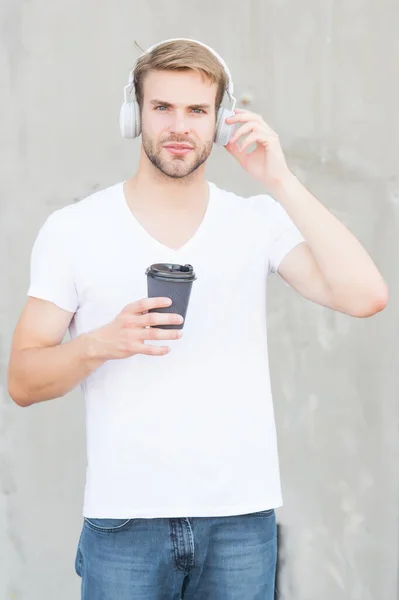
x=181 y=55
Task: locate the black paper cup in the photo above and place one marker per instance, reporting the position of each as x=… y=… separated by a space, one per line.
x=165 y=280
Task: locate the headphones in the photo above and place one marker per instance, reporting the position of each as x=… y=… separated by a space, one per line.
x=130 y=121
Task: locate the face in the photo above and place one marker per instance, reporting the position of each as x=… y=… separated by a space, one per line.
x=178 y=121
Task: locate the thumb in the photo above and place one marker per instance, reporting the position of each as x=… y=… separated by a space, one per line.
x=233 y=149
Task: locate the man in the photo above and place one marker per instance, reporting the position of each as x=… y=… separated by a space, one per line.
x=182 y=475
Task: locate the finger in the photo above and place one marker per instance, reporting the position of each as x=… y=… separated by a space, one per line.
x=146 y=304
x=153 y=319
x=243 y=130
x=233 y=149
x=239 y=118
x=244 y=117
x=151 y=350
x=151 y=333
x=252 y=139
x=243 y=111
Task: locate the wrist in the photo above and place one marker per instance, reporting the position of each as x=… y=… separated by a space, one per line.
x=284 y=186
x=91 y=349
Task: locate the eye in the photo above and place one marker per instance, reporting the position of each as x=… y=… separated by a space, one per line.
x=161 y=108
x=198 y=111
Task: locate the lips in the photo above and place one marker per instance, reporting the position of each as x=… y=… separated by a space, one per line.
x=178 y=149
x=178 y=146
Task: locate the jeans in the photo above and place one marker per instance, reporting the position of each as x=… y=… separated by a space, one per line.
x=200 y=558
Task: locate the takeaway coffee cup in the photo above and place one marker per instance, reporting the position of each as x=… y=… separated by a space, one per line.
x=165 y=280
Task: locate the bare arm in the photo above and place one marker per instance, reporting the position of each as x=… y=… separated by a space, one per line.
x=42 y=368
x=332 y=268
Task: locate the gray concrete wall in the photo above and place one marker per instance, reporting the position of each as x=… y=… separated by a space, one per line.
x=324 y=75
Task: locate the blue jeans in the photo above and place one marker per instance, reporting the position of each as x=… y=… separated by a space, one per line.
x=200 y=558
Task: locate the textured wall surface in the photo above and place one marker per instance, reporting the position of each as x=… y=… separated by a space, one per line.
x=324 y=74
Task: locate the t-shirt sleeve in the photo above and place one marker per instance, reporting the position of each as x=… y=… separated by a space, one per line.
x=52 y=264
x=284 y=236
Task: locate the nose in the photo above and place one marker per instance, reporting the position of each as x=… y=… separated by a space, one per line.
x=179 y=124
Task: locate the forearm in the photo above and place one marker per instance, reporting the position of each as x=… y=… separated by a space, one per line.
x=38 y=374
x=346 y=266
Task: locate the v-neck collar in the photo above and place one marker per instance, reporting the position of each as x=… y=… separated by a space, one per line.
x=145 y=234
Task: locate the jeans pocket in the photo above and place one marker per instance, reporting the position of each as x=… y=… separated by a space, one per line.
x=107 y=525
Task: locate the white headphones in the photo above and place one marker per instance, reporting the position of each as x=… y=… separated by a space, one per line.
x=130 y=122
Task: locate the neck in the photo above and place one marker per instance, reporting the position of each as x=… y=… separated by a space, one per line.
x=152 y=187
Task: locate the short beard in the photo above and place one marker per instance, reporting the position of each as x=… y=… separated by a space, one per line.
x=153 y=153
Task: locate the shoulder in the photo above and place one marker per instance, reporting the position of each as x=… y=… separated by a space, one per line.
x=92 y=208
x=259 y=206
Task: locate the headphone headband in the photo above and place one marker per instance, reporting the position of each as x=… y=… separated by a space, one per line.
x=230 y=85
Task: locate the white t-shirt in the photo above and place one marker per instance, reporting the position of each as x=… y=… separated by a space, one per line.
x=191 y=433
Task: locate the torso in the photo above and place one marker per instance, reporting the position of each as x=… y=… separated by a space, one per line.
x=190 y=433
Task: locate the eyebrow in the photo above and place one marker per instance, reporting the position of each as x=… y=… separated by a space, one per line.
x=169 y=105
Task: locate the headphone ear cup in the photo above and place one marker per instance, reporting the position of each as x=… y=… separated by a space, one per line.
x=224 y=131
x=129 y=120
x=137 y=115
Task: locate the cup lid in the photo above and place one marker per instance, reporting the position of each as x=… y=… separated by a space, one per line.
x=171 y=272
